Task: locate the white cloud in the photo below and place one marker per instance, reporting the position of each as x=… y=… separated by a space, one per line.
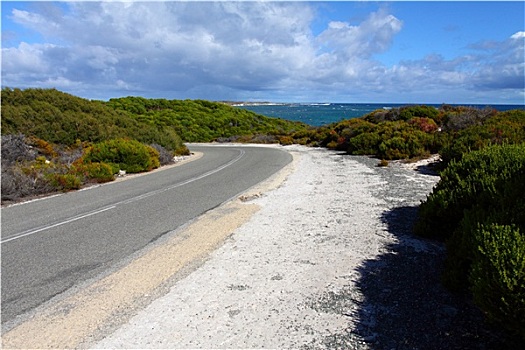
x=25 y=58
x=222 y=49
x=518 y=35
x=32 y=20
x=372 y=36
x=500 y=65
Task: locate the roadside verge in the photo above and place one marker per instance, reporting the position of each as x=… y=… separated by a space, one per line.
x=102 y=306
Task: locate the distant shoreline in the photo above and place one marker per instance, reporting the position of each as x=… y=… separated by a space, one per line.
x=394 y=104
x=242 y=104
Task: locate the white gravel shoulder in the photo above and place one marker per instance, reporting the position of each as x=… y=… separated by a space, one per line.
x=269 y=284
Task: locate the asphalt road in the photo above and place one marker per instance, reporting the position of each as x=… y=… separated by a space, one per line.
x=54 y=244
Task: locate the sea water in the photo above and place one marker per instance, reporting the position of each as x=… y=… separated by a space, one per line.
x=317 y=114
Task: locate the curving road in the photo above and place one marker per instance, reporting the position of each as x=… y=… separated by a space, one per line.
x=51 y=245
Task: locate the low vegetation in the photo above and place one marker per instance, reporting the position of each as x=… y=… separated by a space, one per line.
x=123 y=154
x=478 y=208
x=417 y=131
x=205 y=121
x=63 y=119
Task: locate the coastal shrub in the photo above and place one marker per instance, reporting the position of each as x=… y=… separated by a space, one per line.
x=498 y=275
x=462 y=117
x=60 y=118
x=382 y=163
x=505 y=127
x=424 y=124
x=154 y=161
x=478 y=208
x=404 y=113
x=68 y=155
x=364 y=144
x=409 y=112
x=94 y=171
x=17 y=183
x=477 y=179
x=25 y=170
x=65 y=182
x=464 y=141
x=450 y=131
x=394 y=148
x=183 y=150
x=203 y=121
x=123 y=154
x=45 y=148
x=333 y=145
x=388 y=139
x=286 y=140
x=392 y=140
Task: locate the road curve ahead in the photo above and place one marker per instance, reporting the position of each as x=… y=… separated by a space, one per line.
x=53 y=244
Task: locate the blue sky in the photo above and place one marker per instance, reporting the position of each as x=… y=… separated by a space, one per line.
x=400 y=51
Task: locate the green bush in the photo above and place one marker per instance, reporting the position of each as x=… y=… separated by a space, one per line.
x=99 y=172
x=409 y=112
x=478 y=179
x=382 y=163
x=364 y=144
x=182 y=151
x=65 y=182
x=478 y=208
x=285 y=140
x=123 y=154
x=418 y=131
x=483 y=129
x=498 y=275
x=404 y=113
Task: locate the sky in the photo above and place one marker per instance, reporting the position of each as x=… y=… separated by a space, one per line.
x=337 y=51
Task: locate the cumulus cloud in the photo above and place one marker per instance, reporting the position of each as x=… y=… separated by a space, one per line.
x=221 y=50
x=501 y=65
x=372 y=36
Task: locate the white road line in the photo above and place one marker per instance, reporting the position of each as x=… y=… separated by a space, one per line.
x=75 y=218
x=127 y=201
x=241 y=154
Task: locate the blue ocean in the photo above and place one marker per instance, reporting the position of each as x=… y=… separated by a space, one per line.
x=318 y=114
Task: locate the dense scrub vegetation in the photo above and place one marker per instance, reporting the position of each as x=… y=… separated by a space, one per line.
x=478 y=207
x=63 y=119
x=418 y=131
x=122 y=154
x=205 y=121
x=32 y=166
